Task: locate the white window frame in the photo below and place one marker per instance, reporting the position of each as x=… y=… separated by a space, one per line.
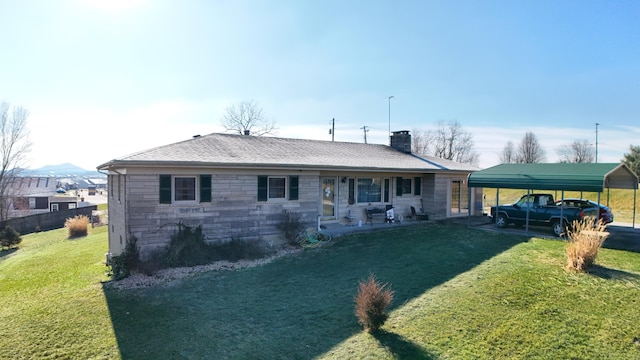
x=196 y=189
x=380 y=180
x=72 y=206
x=55 y=207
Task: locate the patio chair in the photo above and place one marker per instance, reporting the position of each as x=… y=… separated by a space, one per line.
x=417 y=215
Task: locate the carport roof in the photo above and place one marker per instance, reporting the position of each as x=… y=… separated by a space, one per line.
x=557 y=176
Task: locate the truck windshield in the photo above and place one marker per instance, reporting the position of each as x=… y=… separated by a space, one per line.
x=525 y=201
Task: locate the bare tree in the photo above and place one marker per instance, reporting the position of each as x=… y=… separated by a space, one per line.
x=508 y=155
x=449 y=141
x=579 y=151
x=246 y=118
x=15 y=145
x=530 y=150
x=420 y=140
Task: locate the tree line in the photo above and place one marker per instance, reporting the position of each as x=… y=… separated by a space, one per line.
x=448 y=140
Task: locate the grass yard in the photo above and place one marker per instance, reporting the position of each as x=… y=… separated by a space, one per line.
x=459 y=293
x=52 y=303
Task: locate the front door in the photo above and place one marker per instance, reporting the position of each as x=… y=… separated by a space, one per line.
x=328 y=197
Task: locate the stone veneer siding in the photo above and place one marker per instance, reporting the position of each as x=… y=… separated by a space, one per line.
x=234 y=211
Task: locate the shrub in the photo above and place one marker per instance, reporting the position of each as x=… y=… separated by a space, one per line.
x=238 y=249
x=9 y=237
x=127 y=261
x=77 y=226
x=585 y=239
x=291 y=226
x=188 y=248
x=372 y=301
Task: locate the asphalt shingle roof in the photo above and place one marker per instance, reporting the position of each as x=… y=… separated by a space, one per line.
x=262 y=152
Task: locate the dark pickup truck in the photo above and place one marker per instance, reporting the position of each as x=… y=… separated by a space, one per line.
x=541 y=210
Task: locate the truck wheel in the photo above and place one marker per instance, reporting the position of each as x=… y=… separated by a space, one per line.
x=501 y=221
x=557 y=228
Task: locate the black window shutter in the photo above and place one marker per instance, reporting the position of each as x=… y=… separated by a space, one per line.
x=293 y=187
x=399 y=186
x=352 y=191
x=165 y=189
x=262 y=187
x=386 y=190
x=205 y=188
x=417 y=186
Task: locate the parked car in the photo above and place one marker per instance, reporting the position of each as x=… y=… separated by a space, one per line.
x=540 y=210
x=605 y=212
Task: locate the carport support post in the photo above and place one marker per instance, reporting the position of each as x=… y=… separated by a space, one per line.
x=526 y=221
x=561 y=209
x=495 y=216
x=469 y=204
x=633 y=225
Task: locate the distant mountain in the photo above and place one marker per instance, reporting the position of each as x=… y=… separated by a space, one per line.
x=62 y=170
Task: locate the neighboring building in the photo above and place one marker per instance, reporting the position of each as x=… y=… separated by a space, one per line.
x=238 y=186
x=33 y=195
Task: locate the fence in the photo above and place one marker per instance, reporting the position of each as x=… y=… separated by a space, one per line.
x=47 y=221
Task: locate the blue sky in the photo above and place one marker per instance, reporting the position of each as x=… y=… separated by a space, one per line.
x=103 y=79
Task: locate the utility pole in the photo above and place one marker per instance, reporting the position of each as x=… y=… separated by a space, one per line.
x=332 y=131
x=390 y=97
x=597 y=142
x=364 y=128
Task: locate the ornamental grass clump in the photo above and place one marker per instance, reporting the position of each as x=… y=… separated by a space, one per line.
x=77 y=226
x=585 y=239
x=372 y=301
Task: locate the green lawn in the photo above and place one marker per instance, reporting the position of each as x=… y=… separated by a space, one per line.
x=459 y=293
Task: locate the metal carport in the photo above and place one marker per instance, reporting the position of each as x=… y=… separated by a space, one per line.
x=590 y=177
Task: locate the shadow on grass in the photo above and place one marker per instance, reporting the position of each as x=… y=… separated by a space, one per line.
x=300 y=306
x=7 y=252
x=612 y=274
x=401 y=348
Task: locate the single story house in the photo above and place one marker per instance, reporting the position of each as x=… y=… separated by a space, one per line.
x=237 y=186
x=33 y=195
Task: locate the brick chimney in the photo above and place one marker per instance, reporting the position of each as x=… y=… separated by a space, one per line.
x=401 y=141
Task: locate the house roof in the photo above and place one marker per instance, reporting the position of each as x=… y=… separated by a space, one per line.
x=576 y=177
x=33 y=185
x=226 y=150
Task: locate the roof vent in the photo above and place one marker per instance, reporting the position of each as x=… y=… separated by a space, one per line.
x=196 y=136
x=247 y=131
